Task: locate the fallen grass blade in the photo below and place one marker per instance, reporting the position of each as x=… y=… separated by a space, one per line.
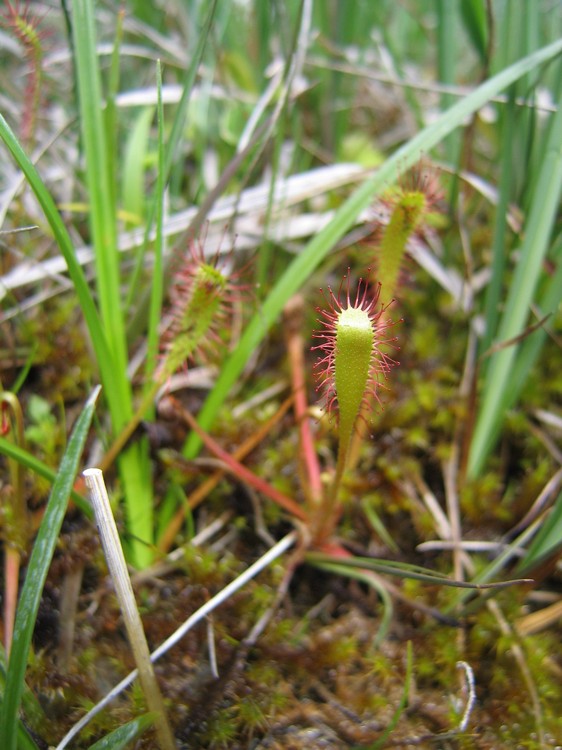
x=402 y=570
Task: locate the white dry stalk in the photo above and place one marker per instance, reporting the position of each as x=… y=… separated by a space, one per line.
x=251 y=204
x=270 y=556
x=286 y=226
x=471 y=694
x=126 y=597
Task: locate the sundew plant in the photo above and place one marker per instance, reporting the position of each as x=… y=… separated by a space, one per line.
x=316 y=498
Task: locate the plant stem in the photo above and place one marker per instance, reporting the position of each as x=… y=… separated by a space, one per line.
x=328 y=512
x=310 y=467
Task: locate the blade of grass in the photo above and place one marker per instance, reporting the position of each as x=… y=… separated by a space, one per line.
x=499 y=248
x=178 y=129
x=134 y=467
x=473 y=14
x=37 y=569
x=134 y=169
x=31 y=709
x=447 y=53
x=515 y=24
x=318 y=248
x=530 y=349
x=103 y=354
x=401 y=570
x=121 y=737
x=157 y=286
x=34 y=464
x=100 y=189
x=547 y=541
x=110 y=114
x=497 y=389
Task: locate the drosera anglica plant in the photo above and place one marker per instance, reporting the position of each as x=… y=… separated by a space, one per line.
x=409 y=205
x=18 y=18
x=201 y=295
x=350 y=372
x=201 y=298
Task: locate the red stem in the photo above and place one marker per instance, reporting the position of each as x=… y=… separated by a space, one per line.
x=295 y=349
x=237 y=468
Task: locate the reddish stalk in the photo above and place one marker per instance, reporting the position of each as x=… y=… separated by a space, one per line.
x=198 y=495
x=243 y=473
x=16 y=516
x=308 y=458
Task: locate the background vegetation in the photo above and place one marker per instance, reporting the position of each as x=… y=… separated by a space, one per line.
x=275 y=141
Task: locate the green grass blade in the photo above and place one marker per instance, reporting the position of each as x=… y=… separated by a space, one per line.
x=34 y=464
x=473 y=14
x=319 y=247
x=176 y=135
x=133 y=463
x=399 y=570
x=121 y=737
x=499 y=248
x=530 y=349
x=37 y=569
x=535 y=245
x=103 y=355
x=100 y=190
x=447 y=54
x=110 y=114
x=157 y=286
x=134 y=168
x=547 y=541
x=31 y=709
